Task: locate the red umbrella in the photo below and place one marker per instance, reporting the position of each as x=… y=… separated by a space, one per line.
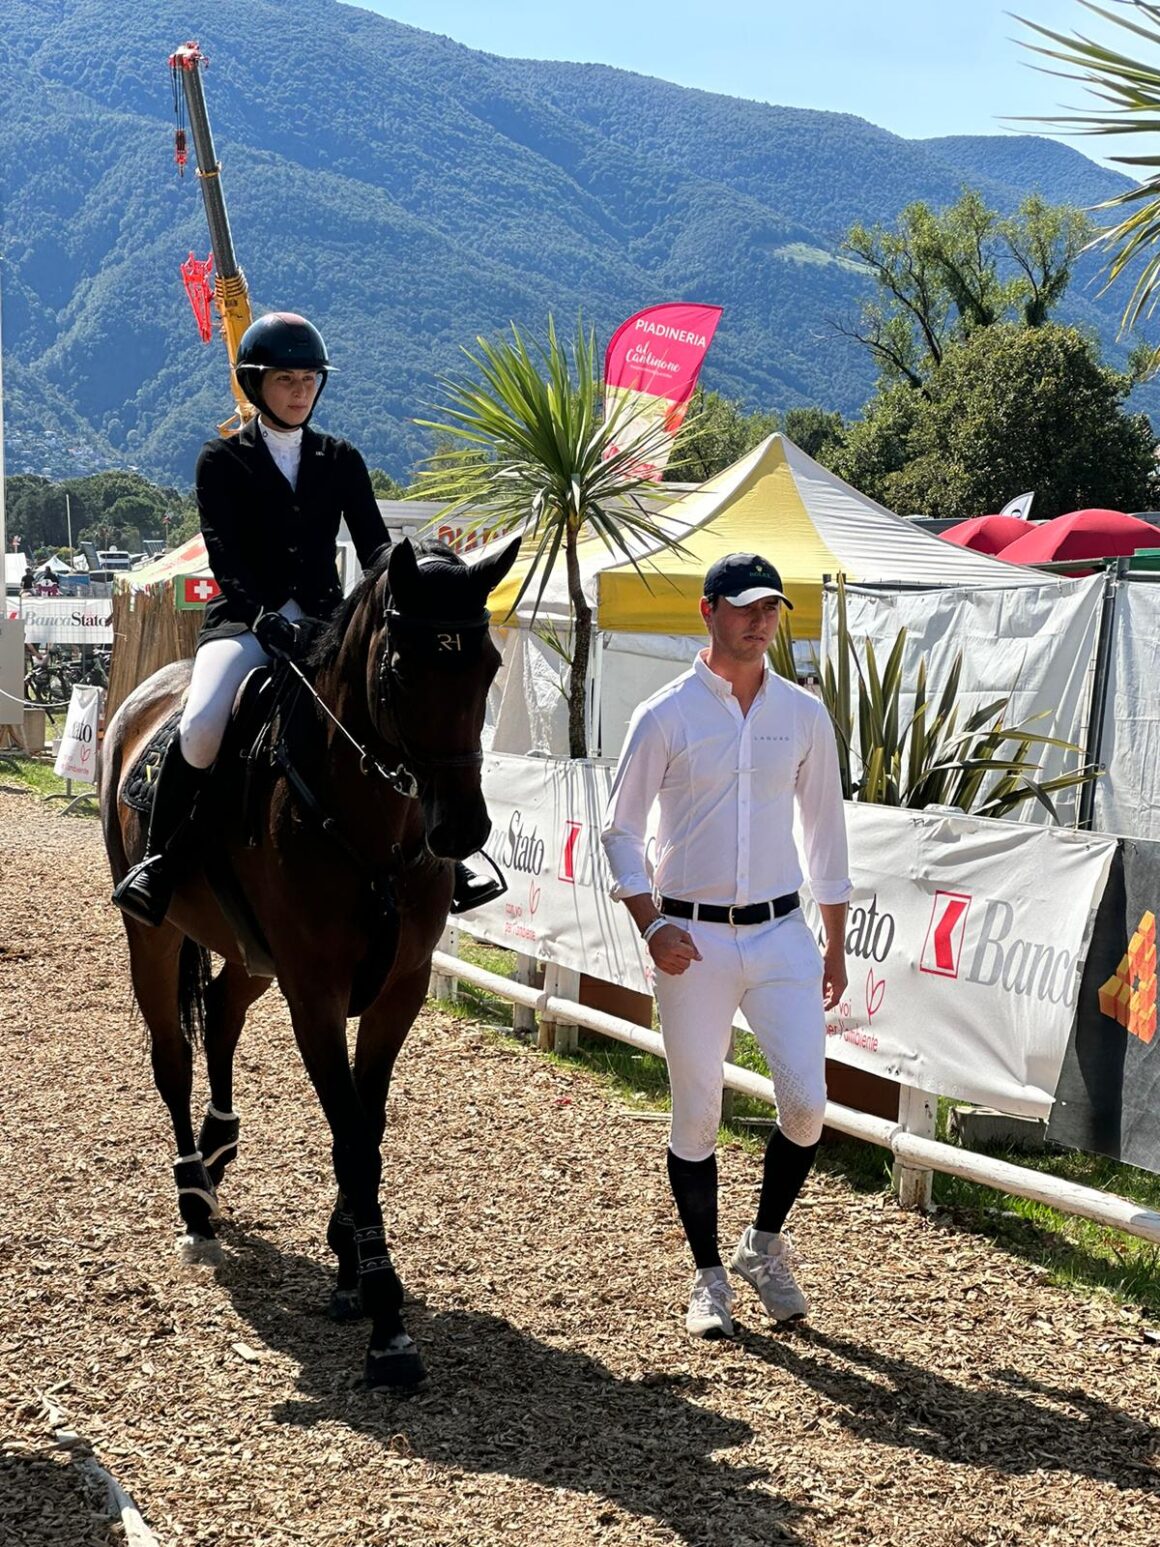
x=987 y=534
x=1084 y=534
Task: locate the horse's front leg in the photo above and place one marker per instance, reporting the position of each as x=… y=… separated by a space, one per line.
x=382 y=1031
x=320 y=1029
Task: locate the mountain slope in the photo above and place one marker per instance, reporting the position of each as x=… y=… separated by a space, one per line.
x=409 y=193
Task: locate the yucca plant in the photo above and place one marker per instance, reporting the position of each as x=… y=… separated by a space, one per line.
x=551 y=464
x=984 y=767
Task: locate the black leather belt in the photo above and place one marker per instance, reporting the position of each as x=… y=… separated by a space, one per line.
x=717 y=913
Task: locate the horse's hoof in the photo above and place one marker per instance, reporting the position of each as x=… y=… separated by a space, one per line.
x=199 y=1250
x=397 y=1367
x=345 y=1305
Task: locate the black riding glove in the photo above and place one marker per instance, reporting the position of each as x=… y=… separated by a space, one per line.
x=276 y=634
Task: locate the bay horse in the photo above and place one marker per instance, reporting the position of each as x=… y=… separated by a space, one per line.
x=348 y=875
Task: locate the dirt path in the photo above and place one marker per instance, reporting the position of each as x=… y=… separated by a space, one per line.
x=944 y=1393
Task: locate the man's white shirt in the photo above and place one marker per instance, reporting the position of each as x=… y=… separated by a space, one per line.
x=726 y=784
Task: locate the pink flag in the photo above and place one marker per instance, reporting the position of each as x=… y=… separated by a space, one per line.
x=650 y=369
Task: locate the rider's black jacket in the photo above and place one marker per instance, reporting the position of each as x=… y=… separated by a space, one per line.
x=268 y=542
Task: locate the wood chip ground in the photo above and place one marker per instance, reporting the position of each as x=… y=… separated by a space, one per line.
x=944 y=1393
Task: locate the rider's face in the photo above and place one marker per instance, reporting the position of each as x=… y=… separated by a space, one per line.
x=290 y=394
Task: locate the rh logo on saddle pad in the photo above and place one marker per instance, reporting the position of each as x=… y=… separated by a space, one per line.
x=569 y=851
x=944 y=934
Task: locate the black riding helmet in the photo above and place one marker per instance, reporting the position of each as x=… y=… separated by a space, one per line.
x=279 y=341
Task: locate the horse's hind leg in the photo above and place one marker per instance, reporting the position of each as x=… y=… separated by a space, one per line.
x=163 y=965
x=227 y=1000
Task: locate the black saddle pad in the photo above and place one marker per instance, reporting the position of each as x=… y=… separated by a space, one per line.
x=142 y=781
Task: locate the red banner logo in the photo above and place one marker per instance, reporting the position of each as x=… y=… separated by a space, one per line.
x=567 y=870
x=199 y=589
x=944 y=934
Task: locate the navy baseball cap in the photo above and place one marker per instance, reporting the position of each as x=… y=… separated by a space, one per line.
x=742 y=578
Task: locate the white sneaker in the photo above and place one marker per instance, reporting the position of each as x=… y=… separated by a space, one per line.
x=710 y=1313
x=771 y=1274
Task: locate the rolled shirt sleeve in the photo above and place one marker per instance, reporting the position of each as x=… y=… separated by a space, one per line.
x=639 y=775
x=823 y=815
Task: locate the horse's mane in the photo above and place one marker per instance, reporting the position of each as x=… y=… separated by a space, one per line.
x=328 y=643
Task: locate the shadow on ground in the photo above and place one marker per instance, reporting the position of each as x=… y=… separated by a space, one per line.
x=502 y=1401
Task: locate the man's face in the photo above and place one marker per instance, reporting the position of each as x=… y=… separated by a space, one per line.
x=742 y=633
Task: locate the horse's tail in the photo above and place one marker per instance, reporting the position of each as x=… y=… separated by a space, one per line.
x=194 y=973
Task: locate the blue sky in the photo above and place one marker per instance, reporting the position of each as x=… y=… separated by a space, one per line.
x=917 y=67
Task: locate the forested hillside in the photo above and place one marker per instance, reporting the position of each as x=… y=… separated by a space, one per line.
x=409 y=193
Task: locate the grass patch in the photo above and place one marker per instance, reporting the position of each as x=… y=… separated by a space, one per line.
x=38 y=777
x=1073 y=1252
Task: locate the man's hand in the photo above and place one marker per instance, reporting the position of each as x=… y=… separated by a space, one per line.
x=834 y=977
x=672 y=949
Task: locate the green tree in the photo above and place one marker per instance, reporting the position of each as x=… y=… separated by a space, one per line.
x=940 y=276
x=819 y=433
x=384 y=486
x=535 y=451
x=1010 y=408
x=716 y=434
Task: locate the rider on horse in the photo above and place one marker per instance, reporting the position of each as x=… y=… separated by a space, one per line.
x=270 y=500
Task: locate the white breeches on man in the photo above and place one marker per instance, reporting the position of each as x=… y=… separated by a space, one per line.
x=219 y=669
x=772 y=972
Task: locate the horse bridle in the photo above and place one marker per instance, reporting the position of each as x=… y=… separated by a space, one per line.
x=446 y=635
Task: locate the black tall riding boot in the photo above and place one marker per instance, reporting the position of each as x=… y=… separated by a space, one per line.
x=147 y=890
x=472 y=890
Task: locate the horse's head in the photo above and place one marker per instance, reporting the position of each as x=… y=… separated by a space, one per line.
x=429 y=670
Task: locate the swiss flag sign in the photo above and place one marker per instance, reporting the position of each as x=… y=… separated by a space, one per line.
x=198 y=589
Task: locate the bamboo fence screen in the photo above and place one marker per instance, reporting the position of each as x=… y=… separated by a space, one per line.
x=149 y=631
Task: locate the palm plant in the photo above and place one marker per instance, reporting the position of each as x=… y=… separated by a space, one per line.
x=1132 y=90
x=983 y=767
x=551 y=465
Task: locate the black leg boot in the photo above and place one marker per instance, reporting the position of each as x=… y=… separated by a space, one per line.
x=147 y=890
x=472 y=890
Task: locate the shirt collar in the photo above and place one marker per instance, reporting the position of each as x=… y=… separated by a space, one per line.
x=718 y=685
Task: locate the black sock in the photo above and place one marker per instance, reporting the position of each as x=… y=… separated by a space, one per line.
x=694 y=1184
x=786 y=1167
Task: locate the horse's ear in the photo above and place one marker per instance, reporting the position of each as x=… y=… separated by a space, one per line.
x=402 y=572
x=488 y=573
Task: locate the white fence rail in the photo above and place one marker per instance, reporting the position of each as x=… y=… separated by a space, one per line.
x=916 y=1154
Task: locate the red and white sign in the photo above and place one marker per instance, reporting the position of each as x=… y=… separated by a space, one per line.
x=651 y=367
x=197 y=590
x=76 y=757
x=944 y=935
x=965 y=938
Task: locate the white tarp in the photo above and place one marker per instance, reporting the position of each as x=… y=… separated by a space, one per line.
x=966 y=937
x=58 y=620
x=1035 y=644
x=77 y=756
x=1128 y=793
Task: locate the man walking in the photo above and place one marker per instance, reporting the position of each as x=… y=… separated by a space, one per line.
x=726 y=750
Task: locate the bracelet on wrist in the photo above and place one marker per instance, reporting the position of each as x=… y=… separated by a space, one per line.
x=657 y=924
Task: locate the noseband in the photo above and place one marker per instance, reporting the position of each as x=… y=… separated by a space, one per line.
x=442 y=642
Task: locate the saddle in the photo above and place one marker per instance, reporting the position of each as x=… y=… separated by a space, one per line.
x=273 y=732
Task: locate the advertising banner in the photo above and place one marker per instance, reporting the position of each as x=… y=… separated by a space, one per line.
x=77 y=757
x=650 y=370
x=65 y=621
x=965 y=940
x=1108 y=1096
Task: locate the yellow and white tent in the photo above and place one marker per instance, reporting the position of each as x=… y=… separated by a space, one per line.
x=775 y=501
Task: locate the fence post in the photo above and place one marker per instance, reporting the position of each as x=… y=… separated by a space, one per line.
x=560 y=1036
x=917 y=1114
x=530 y=974
x=443 y=986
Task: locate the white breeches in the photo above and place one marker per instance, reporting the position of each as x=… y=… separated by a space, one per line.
x=773 y=973
x=219 y=669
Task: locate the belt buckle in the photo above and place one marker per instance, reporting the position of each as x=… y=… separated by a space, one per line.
x=732 y=921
